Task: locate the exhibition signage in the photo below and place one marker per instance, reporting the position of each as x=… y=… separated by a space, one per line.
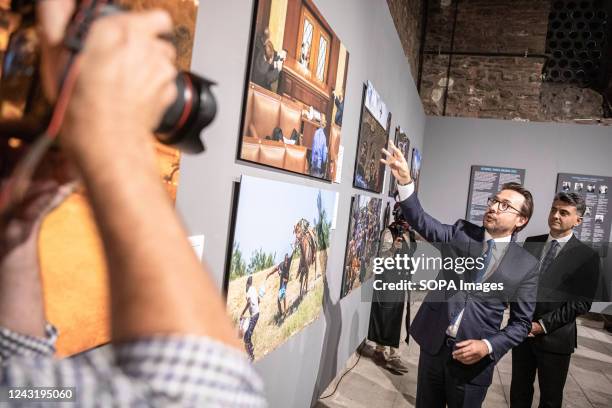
x=595 y=227
x=485 y=182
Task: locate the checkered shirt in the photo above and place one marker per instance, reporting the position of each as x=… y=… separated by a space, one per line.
x=158 y=371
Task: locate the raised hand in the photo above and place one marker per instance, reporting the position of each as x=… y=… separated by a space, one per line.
x=397 y=163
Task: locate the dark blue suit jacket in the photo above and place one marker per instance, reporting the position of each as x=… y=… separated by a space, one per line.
x=483 y=313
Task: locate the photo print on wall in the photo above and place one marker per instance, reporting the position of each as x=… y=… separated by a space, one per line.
x=373 y=135
x=362 y=242
x=277 y=262
x=403 y=143
x=76 y=302
x=415 y=168
x=295 y=90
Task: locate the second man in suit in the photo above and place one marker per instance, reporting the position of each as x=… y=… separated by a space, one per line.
x=569 y=272
x=459 y=331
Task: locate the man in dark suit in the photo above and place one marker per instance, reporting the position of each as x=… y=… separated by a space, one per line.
x=459 y=330
x=569 y=272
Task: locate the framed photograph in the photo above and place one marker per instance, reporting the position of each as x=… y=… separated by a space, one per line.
x=415 y=168
x=374 y=126
x=277 y=261
x=293 y=102
x=403 y=143
x=362 y=242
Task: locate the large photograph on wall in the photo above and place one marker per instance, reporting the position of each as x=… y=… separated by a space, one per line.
x=295 y=90
x=362 y=242
x=373 y=135
x=403 y=143
x=72 y=266
x=276 y=268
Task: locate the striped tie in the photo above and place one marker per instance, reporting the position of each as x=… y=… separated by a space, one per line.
x=550 y=255
x=487 y=260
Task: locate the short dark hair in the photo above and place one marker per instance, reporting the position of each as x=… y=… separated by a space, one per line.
x=572 y=199
x=527 y=208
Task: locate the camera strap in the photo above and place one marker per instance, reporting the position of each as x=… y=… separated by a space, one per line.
x=13 y=192
x=89 y=10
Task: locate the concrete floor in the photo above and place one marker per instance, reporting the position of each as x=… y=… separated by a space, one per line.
x=589 y=382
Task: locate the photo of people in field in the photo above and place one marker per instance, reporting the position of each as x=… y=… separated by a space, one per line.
x=278 y=260
x=362 y=242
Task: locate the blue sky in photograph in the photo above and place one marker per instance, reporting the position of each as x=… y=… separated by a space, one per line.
x=268 y=211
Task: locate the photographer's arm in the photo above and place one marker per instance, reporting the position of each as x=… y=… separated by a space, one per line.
x=125 y=83
x=163 y=303
x=21 y=300
x=23 y=328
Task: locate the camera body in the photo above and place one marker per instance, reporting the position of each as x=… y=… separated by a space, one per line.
x=397 y=230
x=194 y=108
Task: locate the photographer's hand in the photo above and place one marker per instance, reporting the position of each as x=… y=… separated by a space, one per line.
x=397 y=244
x=126 y=81
x=52 y=19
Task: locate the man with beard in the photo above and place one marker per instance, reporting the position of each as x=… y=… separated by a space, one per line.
x=458 y=331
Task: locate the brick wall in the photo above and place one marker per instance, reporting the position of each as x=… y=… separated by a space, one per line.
x=407 y=16
x=486 y=87
x=482 y=82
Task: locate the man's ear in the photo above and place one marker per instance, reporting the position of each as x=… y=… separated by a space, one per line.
x=522 y=221
x=578 y=221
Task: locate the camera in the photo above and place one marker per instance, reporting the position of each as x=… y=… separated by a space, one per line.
x=26 y=112
x=399 y=226
x=397 y=230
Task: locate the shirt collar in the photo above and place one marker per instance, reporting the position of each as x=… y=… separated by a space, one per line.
x=505 y=239
x=562 y=241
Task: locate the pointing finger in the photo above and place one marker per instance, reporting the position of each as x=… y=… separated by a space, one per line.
x=386 y=152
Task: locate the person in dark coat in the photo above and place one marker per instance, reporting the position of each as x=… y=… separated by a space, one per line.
x=388 y=306
x=266 y=62
x=569 y=274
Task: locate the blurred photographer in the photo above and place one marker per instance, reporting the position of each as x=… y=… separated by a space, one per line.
x=388 y=306
x=173 y=343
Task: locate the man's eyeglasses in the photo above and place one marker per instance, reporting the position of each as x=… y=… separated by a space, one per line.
x=503 y=206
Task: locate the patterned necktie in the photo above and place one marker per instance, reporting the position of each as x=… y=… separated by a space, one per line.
x=487 y=260
x=550 y=255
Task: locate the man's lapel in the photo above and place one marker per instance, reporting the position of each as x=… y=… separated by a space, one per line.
x=562 y=257
x=571 y=244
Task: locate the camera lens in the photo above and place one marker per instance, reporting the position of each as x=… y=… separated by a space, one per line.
x=194 y=108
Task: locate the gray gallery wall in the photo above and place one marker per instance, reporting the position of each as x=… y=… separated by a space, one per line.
x=205 y=187
x=453 y=145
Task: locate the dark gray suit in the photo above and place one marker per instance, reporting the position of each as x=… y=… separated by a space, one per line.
x=565 y=291
x=443 y=380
